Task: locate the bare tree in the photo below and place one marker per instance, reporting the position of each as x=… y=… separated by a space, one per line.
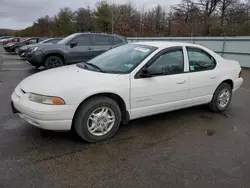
x=189 y=18
x=207 y=7
x=84 y=19
x=223 y=7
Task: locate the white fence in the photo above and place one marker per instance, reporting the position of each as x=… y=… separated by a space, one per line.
x=236 y=48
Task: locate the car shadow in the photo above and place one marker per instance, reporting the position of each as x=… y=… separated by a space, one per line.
x=10 y=53
x=154 y=126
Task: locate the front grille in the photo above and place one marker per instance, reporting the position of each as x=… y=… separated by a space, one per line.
x=23 y=91
x=19 y=92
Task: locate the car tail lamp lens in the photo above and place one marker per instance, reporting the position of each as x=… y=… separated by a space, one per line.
x=240 y=74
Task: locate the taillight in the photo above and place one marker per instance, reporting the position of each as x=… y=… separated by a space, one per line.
x=240 y=74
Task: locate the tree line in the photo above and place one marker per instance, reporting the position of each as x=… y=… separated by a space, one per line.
x=189 y=18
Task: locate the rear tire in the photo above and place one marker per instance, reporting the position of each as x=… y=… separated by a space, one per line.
x=221 y=98
x=53 y=62
x=90 y=122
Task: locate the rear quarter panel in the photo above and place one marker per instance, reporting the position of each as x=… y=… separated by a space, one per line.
x=229 y=70
x=226 y=69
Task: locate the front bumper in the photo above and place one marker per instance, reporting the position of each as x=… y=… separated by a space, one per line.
x=8 y=49
x=49 y=117
x=22 y=53
x=14 y=110
x=35 y=58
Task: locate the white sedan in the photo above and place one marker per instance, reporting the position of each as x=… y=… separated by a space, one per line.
x=126 y=83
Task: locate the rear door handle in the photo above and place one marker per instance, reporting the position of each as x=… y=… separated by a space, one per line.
x=90 y=48
x=213 y=77
x=181 y=82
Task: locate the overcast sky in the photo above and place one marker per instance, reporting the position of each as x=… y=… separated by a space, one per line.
x=19 y=14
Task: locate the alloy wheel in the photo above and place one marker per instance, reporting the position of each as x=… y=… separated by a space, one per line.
x=101 y=121
x=224 y=98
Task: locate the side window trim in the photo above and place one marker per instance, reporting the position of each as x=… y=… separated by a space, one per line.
x=198 y=50
x=113 y=40
x=156 y=56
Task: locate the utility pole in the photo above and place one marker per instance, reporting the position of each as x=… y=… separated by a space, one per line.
x=192 y=10
x=248 y=13
x=112 y=15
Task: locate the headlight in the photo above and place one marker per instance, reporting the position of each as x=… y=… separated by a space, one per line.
x=46 y=99
x=24 y=48
x=35 y=49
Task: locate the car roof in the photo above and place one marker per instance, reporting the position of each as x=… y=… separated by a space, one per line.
x=165 y=44
x=97 y=33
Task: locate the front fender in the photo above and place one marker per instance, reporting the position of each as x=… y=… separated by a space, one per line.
x=54 y=52
x=122 y=96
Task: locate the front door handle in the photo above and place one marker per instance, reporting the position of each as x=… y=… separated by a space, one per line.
x=90 y=48
x=181 y=82
x=213 y=77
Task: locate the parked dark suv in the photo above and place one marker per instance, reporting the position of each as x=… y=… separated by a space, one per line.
x=78 y=47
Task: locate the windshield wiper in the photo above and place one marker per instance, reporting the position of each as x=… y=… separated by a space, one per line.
x=95 y=66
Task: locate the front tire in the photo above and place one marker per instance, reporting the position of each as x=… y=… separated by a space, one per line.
x=37 y=67
x=53 y=62
x=222 y=98
x=97 y=119
x=16 y=50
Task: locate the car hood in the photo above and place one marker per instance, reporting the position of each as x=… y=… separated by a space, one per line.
x=32 y=45
x=65 y=80
x=11 y=44
x=38 y=45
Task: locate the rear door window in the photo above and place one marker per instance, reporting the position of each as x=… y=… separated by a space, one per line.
x=15 y=40
x=102 y=40
x=200 y=60
x=33 y=41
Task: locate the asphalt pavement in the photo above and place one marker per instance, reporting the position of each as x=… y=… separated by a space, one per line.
x=187 y=148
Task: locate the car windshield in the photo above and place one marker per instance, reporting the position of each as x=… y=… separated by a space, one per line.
x=122 y=59
x=25 y=40
x=67 y=39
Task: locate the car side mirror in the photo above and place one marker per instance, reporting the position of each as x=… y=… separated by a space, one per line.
x=146 y=73
x=27 y=42
x=73 y=44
